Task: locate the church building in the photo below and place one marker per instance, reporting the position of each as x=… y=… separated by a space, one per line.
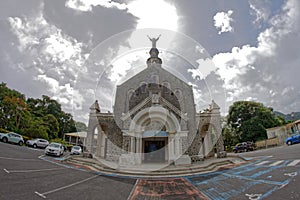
x=154 y=120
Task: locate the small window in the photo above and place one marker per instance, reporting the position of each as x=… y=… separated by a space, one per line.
x=166 y=87
x=143 y=87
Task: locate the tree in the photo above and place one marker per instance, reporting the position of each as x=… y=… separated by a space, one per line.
x=249 y=120
x=80 y=126
x=51 y=125
x=45 y=106
x=36 y=129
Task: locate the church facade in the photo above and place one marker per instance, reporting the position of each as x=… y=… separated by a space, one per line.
x=154 y=119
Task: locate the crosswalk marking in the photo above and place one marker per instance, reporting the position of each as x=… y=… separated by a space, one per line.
x=295 y=162
x=277 y=163
x=262 y=163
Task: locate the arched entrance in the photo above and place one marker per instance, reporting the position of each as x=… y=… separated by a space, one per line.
x=157 y=135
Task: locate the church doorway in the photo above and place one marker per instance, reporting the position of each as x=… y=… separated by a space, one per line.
x=155 y=149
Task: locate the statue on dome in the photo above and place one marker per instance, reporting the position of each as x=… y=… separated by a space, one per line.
x=154 y=40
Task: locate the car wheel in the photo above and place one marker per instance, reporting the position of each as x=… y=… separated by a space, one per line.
x=34 y=146
x=289 y=143
x=20 y=143
x=4 y=139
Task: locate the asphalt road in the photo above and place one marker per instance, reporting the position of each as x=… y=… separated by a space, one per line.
x=25 y=173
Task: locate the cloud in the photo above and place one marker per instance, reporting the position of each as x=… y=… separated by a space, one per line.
x=222 y=21
x=51 y=57
x=261 y=10
x=263 y=72
x=150 y=14
x=87 y=5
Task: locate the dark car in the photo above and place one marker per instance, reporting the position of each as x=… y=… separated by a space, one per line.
x=295 y=138
x=243 y=147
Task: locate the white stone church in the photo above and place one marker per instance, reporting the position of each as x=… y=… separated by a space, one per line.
x=154 y=120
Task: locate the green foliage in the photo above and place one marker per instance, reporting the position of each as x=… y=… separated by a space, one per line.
x=248 y=121
x=41 y=118
x=80 y=126
x=3 y=130
x=51 y=124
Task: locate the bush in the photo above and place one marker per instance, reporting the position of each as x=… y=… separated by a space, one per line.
x=25 y=138
x=3 y=130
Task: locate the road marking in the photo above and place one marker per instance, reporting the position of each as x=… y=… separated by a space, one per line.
x=295 y=162
x=32 y=170
x=291 y=174
x=253 y=196
x=277 y=163
x=29 y=159
x=262 y=163
x=252 y=179
x=133 y=188
x=43 y=195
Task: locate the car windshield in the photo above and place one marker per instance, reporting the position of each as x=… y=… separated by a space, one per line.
x=54 y=145
x=76 y=147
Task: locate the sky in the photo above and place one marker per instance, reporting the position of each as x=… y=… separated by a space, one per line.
x=77 y=51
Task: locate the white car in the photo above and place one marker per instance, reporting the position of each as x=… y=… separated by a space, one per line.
x=37 y=143
x=12 y=137
x=77 y=150
x=55 y=149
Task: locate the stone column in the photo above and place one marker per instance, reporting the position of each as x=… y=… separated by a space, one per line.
x=177 y=146
x=132 y=144
x=171 y=148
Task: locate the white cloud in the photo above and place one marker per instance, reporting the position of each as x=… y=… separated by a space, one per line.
x=87 y=5
x=205 y=67
x=260 y=9
x=260 y=71
x=150 y=14
x=222 y=21
x=154 y=14
x=51 y=56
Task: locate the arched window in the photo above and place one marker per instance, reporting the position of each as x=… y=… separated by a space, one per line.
x=166 y=87
x=178 y=94
x=130 y=93
x=143 y=87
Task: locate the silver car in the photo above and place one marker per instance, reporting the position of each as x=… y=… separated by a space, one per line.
x=55 y=149
x=38 y=142
x=76 y=150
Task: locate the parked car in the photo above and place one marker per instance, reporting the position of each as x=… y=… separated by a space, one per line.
x=12 y=137
x=76 y=150
x=243 y=147
x=55 y=149
x=38 y=142
x=295 y=138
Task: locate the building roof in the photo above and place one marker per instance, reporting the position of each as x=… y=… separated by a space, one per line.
x=82 y=134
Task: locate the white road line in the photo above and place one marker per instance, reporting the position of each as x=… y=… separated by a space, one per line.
x=262 y=163
x=6 y=171
x=133 y=188
x=33 y=170
x=295 y=162
x=277 y=163
x=23 y=159
x=41 y=195
x=64 y=187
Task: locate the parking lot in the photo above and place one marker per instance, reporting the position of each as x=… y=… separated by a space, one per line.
x=24 y=175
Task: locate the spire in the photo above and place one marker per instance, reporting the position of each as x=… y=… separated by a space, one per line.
x=154 y=52
x=95 y=108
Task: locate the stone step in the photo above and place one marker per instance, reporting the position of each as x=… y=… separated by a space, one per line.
x=165 y=172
